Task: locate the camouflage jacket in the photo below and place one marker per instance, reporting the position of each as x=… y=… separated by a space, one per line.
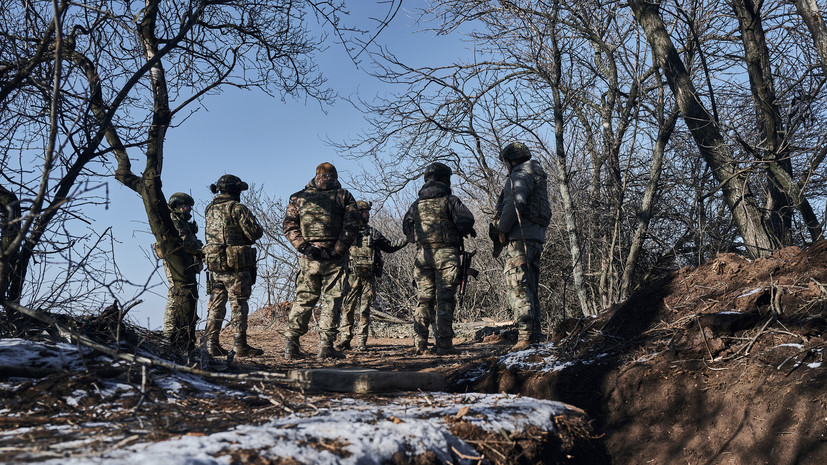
x=325 y=218
x=525 y=192
x=229 y=222
x=455 y=221
x=367 y=249
x=186 y=231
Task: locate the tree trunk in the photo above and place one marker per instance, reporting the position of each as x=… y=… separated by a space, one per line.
x=644 y=216
x=563 y=183
x=759 y=240
x=9 y=228
x=808 y=9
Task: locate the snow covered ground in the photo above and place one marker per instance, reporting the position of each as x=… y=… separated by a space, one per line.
x=348 y=430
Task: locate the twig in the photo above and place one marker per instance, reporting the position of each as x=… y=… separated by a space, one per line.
x=141 y=360
x=466 y=457
x=703 y=335
x=749 y=346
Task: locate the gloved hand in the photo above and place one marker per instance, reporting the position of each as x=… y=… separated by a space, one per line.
x=332 y=254
x=314 y=253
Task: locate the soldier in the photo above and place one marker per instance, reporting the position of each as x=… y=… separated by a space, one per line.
x=524 y=214
x=180 y=314
x=364 y=267
x=232 y=229
x=321 y=222
x=437 y=222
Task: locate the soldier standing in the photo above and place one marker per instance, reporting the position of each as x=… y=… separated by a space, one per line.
x=180 y=314
x=524 y=214
x=437 y=222
x=321 y=221
x=364 y=267
x=232 y=229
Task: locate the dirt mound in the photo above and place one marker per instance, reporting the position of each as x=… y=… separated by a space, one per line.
x=722 y=364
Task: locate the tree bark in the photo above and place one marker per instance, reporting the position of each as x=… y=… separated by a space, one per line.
x=808 y=9
x=9 y=229
x=759 y=240
x=563 y=183
x=783 y=191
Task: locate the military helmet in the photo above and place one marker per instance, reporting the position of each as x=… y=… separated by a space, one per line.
x=230 y=183
x=180 y=199
x=362 y=205
x=438 y=172
x=515 y=151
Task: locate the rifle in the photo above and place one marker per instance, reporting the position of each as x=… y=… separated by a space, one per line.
x=465 y=271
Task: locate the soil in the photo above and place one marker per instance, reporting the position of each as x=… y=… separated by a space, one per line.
x=723 y=364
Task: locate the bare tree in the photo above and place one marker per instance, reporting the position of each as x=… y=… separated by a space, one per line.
x=126 y=75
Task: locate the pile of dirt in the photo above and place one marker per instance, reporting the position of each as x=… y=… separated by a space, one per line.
x=722 y=364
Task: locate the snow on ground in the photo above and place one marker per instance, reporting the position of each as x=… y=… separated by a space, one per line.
x=365 y=433
x=349 y=431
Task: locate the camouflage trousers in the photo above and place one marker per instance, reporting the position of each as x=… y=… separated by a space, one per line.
x=323 y=280
x=235 y=286
x=356 y=304
x=522 y=277
x=437 y=276
x=180 y=314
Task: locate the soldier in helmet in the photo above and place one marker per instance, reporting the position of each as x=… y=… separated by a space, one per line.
x=523 y=214
x=364 y=267
x=182 y=298
x=232 y=229
x=437 y=222
x=321 y=221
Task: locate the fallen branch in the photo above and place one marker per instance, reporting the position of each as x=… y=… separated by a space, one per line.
x=387 y=317
x=138 y=359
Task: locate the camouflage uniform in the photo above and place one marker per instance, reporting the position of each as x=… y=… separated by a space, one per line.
x=321 y=222
x=437 y=222
x=231 y=231
x=180 y=314
x=524 y=214
x=364 y=267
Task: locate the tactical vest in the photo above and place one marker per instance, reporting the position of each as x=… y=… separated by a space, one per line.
x=433 y=224
x=221 y=227
x=321 y=216
x=363 y=254
x=538 y=210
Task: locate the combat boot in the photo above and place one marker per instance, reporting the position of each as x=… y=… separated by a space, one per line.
x=362 y=346
x=327 y=351
x=420 y=347
x=343 y=345
x=292 y=350
x=446 y=350
x=522 y=344
x=213 y=346
x=242 y=349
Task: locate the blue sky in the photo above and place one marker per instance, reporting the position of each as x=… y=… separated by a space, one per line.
x=272 y=143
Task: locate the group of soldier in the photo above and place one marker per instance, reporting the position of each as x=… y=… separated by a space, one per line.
x=341 y=258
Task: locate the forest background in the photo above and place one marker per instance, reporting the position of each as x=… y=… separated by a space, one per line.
x=642 y=182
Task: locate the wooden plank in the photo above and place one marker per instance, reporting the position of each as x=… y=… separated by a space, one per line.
x=364 y=380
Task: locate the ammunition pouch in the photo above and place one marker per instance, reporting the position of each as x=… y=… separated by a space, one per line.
x=361 y=271
x=216 y=258
x=240 y=257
